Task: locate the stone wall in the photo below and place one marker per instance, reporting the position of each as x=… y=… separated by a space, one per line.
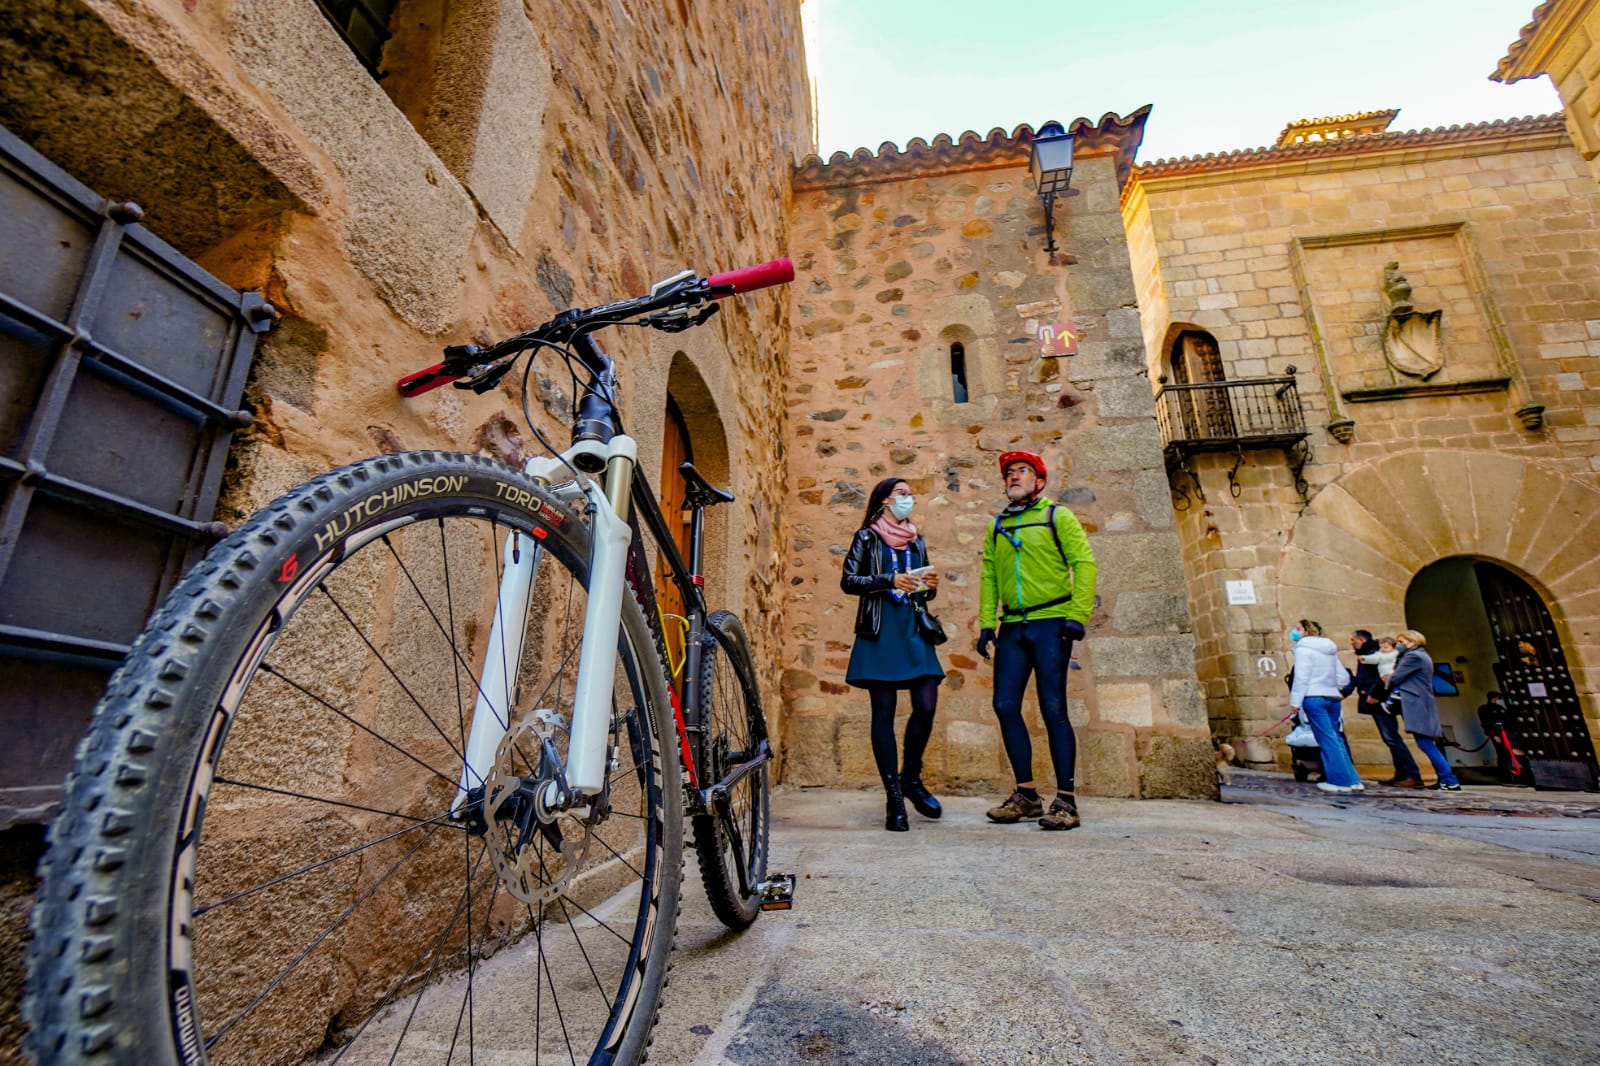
x=516 y=159
x=899 y=257
x=1280 y=255
x=1563 y=41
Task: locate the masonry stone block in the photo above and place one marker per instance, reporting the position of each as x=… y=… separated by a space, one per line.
x=1110 y=448
x=1178 y=768
x=1185 y=700
x=1137 y=561
x=1141 y=656
x=1105 y=763
x=1127 y=703
x=1161 y=611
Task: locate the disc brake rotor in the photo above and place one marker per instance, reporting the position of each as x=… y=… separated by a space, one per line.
x=535 y=851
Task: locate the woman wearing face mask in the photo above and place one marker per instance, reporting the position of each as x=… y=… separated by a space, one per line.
x=887 y=567
x=1318 y=686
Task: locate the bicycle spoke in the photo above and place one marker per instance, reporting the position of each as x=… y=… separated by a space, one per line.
x=208 y=907
x=618 y=854
x=322 y=799
x=223 y=1031
x=555 y=1001
x=432 y=950
x=566 y=914
x=272 y=671
x=391 y=672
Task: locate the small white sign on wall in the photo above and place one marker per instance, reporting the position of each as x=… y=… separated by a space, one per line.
x=1537 y=690
x=1241 y=593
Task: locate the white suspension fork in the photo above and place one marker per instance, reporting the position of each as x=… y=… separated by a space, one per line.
x=602 y=623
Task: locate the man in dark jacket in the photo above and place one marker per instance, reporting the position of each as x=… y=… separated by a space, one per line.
x=1370 y=693
x=1495 y=718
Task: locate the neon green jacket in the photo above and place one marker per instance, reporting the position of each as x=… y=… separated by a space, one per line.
x=1035 y=574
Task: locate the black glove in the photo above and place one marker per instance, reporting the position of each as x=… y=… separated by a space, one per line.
x=1072 y=630
x=985 y=642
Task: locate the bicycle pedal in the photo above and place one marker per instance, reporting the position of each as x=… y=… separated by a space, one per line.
x=777 y=892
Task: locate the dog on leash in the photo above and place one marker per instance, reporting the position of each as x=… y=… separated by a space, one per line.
x=1224 y=758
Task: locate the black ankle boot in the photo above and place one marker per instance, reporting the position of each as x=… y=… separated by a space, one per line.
x=919 y=796
x=894 y=819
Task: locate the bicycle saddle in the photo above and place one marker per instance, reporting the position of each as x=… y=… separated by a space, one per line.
x=702 y=493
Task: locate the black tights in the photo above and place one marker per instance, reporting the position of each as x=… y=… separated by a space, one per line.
x=924 y=700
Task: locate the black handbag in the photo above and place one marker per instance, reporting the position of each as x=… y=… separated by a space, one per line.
x=929 y=626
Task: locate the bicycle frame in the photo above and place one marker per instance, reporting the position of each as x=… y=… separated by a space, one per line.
x=616 y=505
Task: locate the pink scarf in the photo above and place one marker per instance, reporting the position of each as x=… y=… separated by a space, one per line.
x=895 y=534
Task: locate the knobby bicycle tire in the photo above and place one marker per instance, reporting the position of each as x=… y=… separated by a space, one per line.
x=128 y=965
x=732 y=726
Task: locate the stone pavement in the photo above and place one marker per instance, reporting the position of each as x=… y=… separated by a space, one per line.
x=1280 y=926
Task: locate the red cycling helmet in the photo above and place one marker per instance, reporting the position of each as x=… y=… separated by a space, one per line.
x=1033 y=459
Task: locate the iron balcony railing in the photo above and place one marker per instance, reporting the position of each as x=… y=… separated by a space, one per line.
x=1226 y=415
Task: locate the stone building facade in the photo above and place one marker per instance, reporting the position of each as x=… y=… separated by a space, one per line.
x=1426 y=302
x=512 y=160
x=922 y=287
x=1563 y=40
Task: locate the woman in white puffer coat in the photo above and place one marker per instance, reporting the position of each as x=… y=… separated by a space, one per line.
x=1319 y=681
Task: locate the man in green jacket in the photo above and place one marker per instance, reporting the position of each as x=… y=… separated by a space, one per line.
x=1038 y=577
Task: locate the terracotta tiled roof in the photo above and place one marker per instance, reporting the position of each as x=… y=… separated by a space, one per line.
x=1504 y=71
x=1112 y=135
x=1342 y=146
x=1362 y=122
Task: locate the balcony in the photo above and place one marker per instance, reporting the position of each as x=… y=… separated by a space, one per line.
x=1230 y=415
x=1217 y=416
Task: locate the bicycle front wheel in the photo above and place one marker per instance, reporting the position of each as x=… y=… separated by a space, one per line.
x=271 y=850
x=731 y=842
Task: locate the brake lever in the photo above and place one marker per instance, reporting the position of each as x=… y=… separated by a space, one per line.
x=483 y=382
x=679 y=319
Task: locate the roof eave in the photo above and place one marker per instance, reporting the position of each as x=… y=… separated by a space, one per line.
x=1113 y=135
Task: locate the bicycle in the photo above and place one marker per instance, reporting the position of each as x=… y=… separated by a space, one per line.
x=273 y=845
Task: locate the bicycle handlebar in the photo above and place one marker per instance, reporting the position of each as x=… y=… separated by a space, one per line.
x=464 y=361
x=750 y=278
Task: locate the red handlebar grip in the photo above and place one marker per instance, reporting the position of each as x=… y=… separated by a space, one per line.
x=777 y=272
x=424 y=381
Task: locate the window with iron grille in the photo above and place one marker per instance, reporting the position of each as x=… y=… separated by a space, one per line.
x=122 y=367
x=364 y=24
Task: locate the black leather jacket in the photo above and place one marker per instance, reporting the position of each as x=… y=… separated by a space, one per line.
x=864 y=576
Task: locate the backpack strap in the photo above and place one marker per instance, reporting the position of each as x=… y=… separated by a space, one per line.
x=1055 y=535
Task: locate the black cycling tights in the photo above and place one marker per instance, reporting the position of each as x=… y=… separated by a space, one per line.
x=924 y=700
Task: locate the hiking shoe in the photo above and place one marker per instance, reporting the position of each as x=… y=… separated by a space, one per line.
x=1063 y=814
x=1440 y=786
x=1404 y=782
x=1016 y=808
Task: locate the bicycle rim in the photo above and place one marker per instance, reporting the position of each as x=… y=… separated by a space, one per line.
x=734 y=727
x=312 y=889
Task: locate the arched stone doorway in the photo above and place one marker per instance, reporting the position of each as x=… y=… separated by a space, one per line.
x=1350 y=560
x=1495 y=632
x=692 y=432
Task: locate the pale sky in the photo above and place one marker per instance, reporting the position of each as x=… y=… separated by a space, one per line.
x=1222 y=75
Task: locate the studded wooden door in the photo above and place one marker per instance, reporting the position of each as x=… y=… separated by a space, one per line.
x=1546 y=717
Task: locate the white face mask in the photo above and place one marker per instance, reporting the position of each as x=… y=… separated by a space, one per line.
x=900 y=506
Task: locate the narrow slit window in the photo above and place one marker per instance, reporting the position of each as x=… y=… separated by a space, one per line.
x=958 y=371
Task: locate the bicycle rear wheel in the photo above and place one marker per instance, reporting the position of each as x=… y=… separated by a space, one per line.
x=263 y=857
x=733 y=841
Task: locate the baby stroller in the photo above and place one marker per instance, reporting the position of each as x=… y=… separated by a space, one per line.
x=1305 y=758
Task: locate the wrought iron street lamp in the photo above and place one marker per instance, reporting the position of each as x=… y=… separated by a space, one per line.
x=1051 y=167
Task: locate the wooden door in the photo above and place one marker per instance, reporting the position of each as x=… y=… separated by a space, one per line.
x=675 y=449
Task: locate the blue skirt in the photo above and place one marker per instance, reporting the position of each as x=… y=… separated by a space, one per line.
x=897 y=655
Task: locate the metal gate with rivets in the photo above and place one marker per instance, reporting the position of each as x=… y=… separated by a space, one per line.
x=1546 y=715
x=122 y=367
